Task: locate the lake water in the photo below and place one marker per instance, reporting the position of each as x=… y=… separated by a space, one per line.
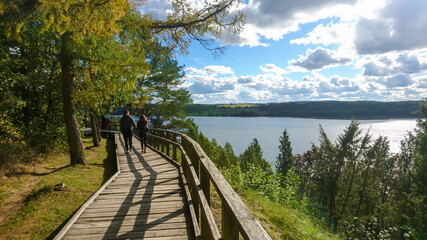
x=239 y=131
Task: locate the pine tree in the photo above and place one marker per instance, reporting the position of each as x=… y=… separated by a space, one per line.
x=285 y=159
x=253 y=156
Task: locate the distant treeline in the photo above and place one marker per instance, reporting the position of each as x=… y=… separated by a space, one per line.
x=321 y=109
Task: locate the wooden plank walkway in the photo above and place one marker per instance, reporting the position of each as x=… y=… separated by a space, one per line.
x=146 y=200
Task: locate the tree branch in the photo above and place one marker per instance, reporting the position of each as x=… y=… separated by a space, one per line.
x=159 y=25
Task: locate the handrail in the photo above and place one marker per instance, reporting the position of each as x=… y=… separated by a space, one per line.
x=200 y=172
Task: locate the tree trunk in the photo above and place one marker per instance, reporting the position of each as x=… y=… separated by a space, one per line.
x=98 y=132
x=73 y=134
x=25 y=92
x=362 y=193
x=350 y=187
x=94 y=128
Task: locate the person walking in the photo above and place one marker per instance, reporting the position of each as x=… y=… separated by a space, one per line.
x=127 y=124
x=142 y=127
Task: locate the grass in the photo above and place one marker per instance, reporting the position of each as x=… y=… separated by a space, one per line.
x=281 y=221
x=31 y=203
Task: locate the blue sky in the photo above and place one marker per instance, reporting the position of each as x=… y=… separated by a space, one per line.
x=347 y=50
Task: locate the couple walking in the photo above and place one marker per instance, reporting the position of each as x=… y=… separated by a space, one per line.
x=127 y=124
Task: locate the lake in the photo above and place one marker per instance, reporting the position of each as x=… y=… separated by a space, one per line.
x=239 y=131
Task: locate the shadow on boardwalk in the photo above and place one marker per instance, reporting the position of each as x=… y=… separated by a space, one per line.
x=146 y=200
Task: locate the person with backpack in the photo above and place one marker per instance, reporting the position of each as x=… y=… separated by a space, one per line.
x=142 y=128
x=108 y=124
x=126 y=126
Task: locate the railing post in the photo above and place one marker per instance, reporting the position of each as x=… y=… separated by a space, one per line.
x=150 y=139
x=167 y=145
x=230 y=229
x=174 y=148
x=163 y=142
x=206 y=185
x=157 y=141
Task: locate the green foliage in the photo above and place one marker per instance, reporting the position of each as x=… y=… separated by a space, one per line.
x=369 y=231
x=31 y=116
x=253 y=156
x=102 y=48
x=277 y=188
x=222 y=157
x=285 y=159
x=362 y=188
x=167 y=101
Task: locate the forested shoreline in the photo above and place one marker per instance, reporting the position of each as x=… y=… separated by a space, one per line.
x=314 y=109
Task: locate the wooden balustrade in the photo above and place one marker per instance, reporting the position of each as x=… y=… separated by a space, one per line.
x=200 y=173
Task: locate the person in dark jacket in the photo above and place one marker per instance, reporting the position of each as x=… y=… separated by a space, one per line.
x=142 y=127
x=127 y=124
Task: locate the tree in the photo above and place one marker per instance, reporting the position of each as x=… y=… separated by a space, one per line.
x=168 y=101
x=420 y=172
x=75 y=20
x=285 y=159
x=253 y=156
x=29 y=70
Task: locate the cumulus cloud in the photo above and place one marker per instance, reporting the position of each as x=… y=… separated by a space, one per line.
x=332 y=33
x=271 y=68
x=373 y=69
x=210 y=70
x=159 y=9
x=273 y=19
x=318 y=59
x=268 y=87
x=400 y=25
x=393 y=64
x=397 y=81
x=422 y=82
x=410 y=64
x=245 y=79
x=200 y=88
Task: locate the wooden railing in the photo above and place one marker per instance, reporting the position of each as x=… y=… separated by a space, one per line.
x=200 y=173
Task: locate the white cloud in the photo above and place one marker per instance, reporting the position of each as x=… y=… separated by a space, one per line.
x=410 y=64
x=389 y=36
x=372 y=69
x=332 y=33
x=269 y=87
x=245 y=79
x=201 y=88
x=401 y=25
x=271 y=68
x=274 y=19
x=393 y=64
x=422 y=82
x=159 y=9
x=318 y=59
x=397 y=81
x=211 y=70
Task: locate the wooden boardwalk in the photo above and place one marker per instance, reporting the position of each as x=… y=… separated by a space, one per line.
x=146 y=200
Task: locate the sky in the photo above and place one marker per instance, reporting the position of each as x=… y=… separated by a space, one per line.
x=312 y=50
